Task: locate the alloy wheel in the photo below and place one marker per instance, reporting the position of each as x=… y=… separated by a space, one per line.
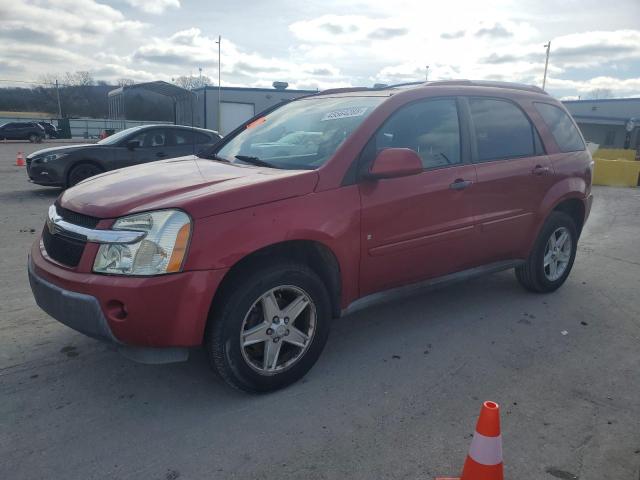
x=557 y=254
x=278 y=329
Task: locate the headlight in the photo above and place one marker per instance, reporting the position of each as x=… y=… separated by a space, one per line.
x=161 y=251
x=49 y=158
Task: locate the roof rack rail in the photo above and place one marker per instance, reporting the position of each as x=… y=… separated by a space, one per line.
x=405 y=84
x=489 y=83
x=342 y=90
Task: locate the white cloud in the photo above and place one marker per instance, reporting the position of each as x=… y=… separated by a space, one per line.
x=187 y=50
x=622 y=87
x=154 y=6
x=327 y=44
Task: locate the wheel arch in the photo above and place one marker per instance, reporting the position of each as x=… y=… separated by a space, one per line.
x=575 y=208
x=316 y=255
x=83 y=161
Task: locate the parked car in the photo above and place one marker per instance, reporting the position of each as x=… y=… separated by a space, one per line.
x=253 y=256
x=68 y=165
x=49 y=129
x=22 y=131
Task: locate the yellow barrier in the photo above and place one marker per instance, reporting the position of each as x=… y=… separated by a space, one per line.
x=616 y=173
x=616 y=154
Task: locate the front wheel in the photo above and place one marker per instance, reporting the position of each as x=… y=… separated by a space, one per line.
x=81 y=172
x=551 y=260
x=269 y=328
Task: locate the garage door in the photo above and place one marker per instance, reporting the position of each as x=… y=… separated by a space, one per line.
x=233 y=114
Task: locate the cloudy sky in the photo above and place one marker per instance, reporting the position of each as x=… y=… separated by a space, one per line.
x=329 y=43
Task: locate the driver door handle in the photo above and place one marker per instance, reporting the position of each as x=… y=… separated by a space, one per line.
x=460 y=184
x=161 y=154
x=540 y=170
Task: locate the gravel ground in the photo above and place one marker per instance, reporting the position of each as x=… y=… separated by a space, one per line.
x=394 y=396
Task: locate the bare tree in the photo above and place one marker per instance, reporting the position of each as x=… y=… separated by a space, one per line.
x=190 y=82
x=47 y=80
x=79 y=78
x=125 y=82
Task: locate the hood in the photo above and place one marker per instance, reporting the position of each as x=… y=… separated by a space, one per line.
x=199 y=186
x=61 y=149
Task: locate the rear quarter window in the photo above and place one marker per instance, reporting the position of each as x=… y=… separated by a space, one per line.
x=190 y=137
x=501 y=130
x=562 y=127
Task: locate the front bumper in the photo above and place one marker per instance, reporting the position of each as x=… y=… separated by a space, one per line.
x=43 y=175
x=79 y=311
x=147 y=317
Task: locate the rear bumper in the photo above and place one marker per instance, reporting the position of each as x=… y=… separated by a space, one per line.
x=142 y=315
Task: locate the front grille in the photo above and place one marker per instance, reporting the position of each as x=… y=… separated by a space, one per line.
x=67 y=247
x=62 y=248
x=77 y=218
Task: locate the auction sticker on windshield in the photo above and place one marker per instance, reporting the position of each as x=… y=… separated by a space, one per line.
x=344 y=113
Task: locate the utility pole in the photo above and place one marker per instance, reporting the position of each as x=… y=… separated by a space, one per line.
x=200 y=77
x=546 y=64
x=58 y=95
x=427 y=75
x=219 y=42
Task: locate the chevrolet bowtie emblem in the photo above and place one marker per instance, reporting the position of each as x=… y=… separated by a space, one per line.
x=52 y=219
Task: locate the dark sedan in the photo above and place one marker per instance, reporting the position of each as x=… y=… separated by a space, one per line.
x=67 y=165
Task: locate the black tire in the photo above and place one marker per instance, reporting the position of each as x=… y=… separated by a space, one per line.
x=533 y=275
x=223 y=336
x=33 y=138
x=81 y=172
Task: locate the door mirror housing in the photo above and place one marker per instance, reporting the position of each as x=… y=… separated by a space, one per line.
x=395 y=162
x=133 y=144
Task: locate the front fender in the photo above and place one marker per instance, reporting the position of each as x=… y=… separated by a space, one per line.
x=331 y=218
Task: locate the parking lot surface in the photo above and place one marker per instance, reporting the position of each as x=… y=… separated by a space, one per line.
x=395 y=394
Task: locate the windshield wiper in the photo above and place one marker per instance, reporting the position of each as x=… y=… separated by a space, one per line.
x=212 y=156
x=254 y=161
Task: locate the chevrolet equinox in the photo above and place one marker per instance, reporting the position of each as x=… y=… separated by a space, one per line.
x=312 y=209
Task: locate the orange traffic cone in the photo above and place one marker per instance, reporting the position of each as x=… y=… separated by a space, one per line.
x=20 y=160
x=484 y=461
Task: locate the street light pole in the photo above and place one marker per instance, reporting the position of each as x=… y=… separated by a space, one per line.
x=219 y=42
x=58 y=95
x=546 y=64
x=427 y=74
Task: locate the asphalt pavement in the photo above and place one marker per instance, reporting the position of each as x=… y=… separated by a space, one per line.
x=395 y=394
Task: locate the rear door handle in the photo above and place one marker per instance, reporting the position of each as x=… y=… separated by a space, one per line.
x=540 y=170
x=460 y=184
x=161 y=154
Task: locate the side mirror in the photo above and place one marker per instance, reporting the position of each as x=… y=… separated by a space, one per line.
x=133 y=144
x=395 y=162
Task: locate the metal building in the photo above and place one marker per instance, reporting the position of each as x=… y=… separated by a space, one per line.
x=184 y=101
x=611 y=123
x=237 y=104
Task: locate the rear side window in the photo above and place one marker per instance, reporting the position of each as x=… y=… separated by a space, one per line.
x=562 y=128
x=190 y=137
x=429 y=127
x=501 y=129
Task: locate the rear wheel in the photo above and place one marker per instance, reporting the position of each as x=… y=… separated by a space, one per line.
x=33 y=138
x=551 y=260
x=270 y=328
x=81 y=172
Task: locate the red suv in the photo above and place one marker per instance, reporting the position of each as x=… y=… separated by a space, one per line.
x=309 y=210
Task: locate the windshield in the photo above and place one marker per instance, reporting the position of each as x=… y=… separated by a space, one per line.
x=299 y=135
x=116 y=137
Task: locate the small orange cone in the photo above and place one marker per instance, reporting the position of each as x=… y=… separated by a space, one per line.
x=484 y=461
x=20 y=160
